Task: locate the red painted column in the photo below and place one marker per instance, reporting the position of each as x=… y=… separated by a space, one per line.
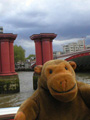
x=47 y=39
x=38 y=50
x=11 y=49
x=46 y=50
x=0 y=58
x=5 y=60
x=51 y=49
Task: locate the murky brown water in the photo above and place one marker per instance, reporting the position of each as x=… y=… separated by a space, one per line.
x=26 y=89
x=84 y=77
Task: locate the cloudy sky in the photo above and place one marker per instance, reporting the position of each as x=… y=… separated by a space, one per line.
x=69 y=19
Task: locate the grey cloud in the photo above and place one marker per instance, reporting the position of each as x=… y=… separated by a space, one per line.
x=68 y=19
x=26 y=20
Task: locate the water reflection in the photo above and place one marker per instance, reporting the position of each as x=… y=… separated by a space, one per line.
x=26 y=89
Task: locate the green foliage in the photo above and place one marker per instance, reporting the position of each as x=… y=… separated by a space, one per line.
x=19 y=53
x=31 y=55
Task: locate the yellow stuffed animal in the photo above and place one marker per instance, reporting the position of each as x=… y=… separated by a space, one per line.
x=59 y=96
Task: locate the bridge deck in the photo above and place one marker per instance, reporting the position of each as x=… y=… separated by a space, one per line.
x=82 y=59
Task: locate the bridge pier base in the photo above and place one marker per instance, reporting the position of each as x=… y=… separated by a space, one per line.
x=9 y=84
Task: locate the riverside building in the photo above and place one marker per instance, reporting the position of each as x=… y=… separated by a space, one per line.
x=1 y=29
x=74 y=47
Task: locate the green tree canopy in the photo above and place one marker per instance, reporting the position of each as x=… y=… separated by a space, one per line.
x=31 y=55
x=19 y=53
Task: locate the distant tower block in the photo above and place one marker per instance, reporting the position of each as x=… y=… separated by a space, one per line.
x=43 y=47
x=9 y=81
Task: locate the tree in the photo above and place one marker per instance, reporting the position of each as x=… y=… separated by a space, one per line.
x=31 y=55
x=19 y=53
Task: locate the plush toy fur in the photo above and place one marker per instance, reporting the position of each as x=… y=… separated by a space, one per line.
x=59 y=96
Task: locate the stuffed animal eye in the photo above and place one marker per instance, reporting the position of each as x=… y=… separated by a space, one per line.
x=66 y=68
x=50 y=71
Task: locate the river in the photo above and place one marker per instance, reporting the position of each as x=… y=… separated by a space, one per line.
x=26 y=89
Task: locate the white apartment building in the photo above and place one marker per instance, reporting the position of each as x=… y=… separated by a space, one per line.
x=74 y=47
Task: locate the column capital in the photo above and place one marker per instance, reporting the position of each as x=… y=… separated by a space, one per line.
x=35 y=37
x=7 y=37
x=43 y=36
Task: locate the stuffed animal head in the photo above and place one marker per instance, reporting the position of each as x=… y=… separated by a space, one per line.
x=58 y=77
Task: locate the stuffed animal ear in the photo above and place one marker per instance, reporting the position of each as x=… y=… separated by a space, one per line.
x=73 y=64
x=38 y=69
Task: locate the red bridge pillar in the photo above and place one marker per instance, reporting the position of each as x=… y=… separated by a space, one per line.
x=9 y=81
x=7 y=54
x=43 y=47
x=38 y=48
x=11 y=49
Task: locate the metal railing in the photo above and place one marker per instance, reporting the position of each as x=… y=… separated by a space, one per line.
x=8 y=113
